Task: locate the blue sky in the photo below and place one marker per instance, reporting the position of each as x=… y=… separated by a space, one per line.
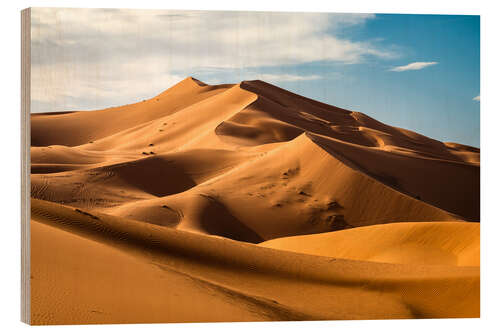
x=419 y=72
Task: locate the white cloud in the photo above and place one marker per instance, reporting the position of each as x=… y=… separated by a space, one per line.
x=287 y=77
x=414 y=66
x=89 y=58
x=86 y=87
x=477 y=98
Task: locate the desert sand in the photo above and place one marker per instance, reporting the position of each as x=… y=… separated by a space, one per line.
x=246 y=202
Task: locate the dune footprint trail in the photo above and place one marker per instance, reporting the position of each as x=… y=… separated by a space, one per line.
x=228 y=192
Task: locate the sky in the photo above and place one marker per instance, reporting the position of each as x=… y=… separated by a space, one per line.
x=419 y=72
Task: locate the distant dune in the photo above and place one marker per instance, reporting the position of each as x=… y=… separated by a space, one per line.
x=433 y=243
x=259 y=203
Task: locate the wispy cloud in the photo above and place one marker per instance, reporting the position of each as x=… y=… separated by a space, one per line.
x=96 y=57
x=477 y=98
x=287 y=77
x=414 y=66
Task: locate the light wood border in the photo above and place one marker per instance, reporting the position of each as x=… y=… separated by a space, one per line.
x=25 y=163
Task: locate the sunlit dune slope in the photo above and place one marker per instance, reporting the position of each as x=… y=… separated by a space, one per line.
x=429 y=243
x=77 y=128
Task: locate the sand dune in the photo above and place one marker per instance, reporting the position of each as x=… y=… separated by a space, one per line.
x=284 y=194
x=242 y=276
x=428 y=243
x=77 y=128
x=416 y=176
x=368 y=218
